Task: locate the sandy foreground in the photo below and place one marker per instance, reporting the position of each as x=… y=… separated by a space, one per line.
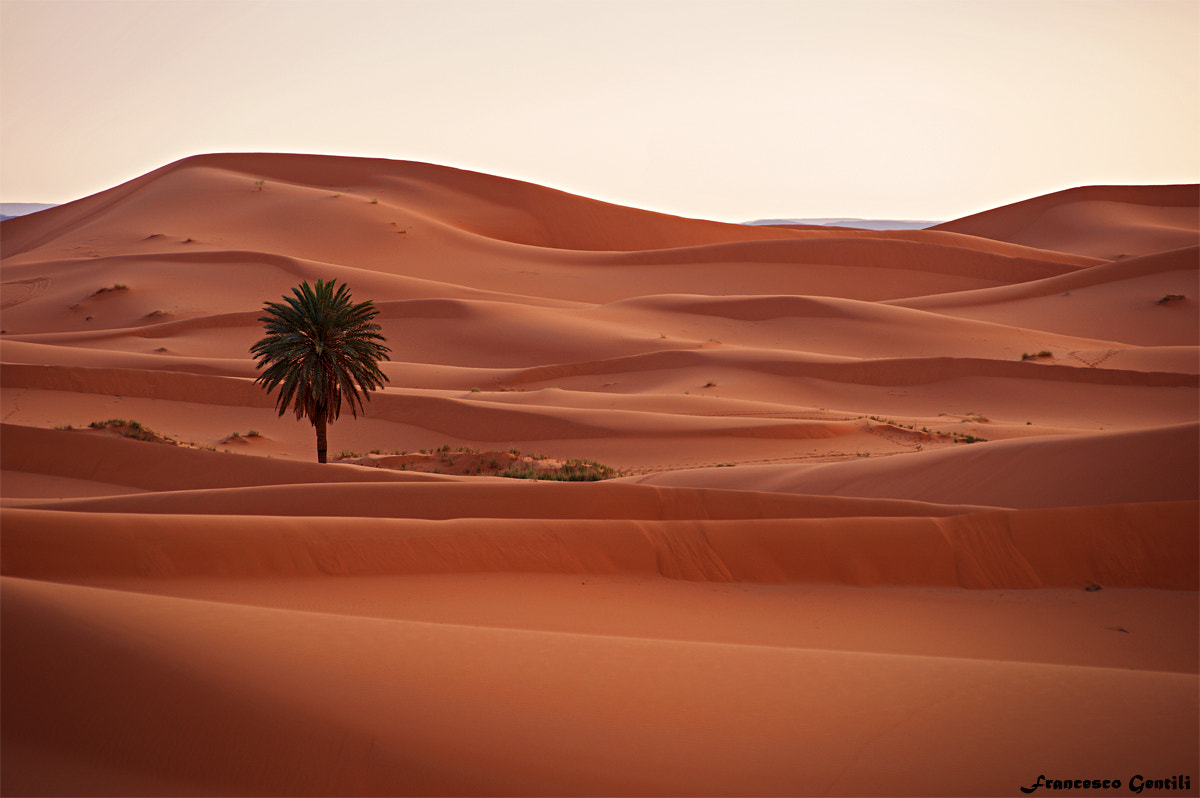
x=900 y=513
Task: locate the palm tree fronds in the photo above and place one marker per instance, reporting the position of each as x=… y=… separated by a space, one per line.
x=319 y=348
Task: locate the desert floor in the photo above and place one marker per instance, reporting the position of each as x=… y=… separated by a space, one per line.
x=909 y=512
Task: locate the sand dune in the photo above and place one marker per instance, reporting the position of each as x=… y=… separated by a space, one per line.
x=866 y=544
x=1146 y=301
x=900 y=512
x=1157 y=465
x=1107 y=222
x=512 y=700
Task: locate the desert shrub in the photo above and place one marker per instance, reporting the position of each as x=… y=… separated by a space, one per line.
x=570 y=471
x=519 y=472
x=132 y=429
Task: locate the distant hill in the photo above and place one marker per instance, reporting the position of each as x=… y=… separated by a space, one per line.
x=10 y=209
x=861 y=224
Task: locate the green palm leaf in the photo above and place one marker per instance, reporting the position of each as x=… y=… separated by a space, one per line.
x=319 y=348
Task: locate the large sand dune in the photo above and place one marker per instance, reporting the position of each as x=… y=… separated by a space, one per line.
x=901 y=512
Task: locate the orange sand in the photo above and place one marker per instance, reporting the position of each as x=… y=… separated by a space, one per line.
x=807 y=582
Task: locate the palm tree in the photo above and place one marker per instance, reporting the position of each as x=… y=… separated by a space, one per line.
x=320 y=347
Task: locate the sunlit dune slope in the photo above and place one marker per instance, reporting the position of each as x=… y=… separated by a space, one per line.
x=1156 y=465
x=1148 y=301
x=896 y=512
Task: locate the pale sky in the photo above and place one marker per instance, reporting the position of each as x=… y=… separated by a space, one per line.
x=726 y=109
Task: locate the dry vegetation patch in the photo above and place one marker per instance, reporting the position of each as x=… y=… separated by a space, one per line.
x=130 y=429
x=237 y=437
x=465 y=461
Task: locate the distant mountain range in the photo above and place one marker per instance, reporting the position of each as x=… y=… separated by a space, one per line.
x=10 y=209
x=862 y=224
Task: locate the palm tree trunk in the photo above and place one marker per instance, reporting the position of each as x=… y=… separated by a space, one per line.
x=322 y=446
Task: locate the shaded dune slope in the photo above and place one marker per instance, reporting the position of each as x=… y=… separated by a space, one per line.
x=513 y=697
